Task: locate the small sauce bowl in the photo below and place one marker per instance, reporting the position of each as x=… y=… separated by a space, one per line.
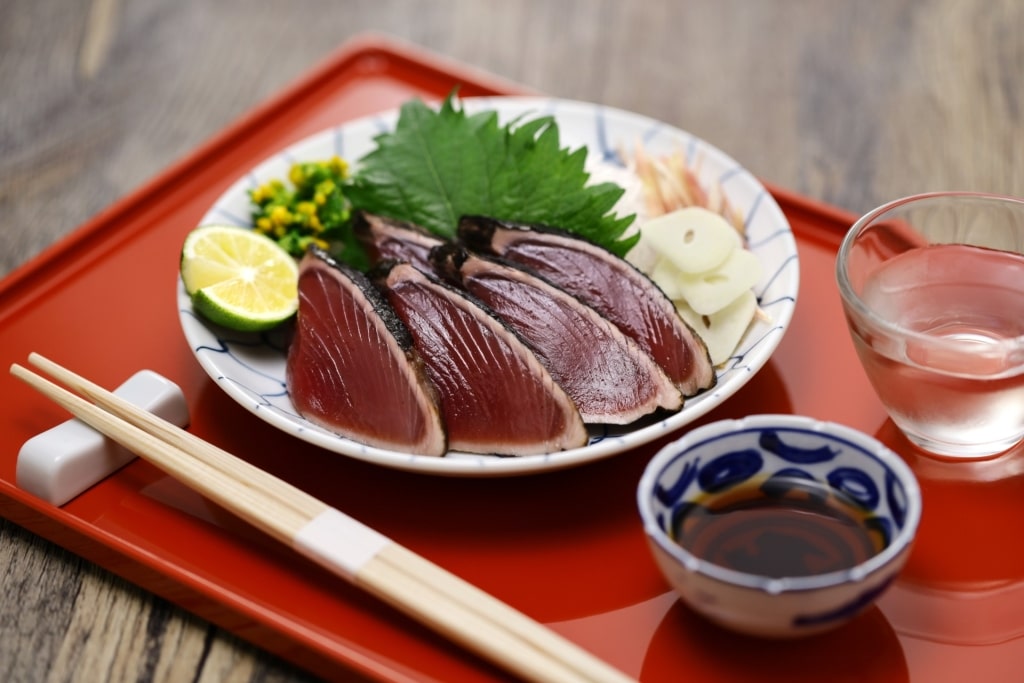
x=779 y=525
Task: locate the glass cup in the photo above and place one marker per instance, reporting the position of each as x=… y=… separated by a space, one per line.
x=933 y=291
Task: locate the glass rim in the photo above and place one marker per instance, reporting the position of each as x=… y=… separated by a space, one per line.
x=852 y=299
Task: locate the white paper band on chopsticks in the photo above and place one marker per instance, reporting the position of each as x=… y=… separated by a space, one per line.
x=337 y=540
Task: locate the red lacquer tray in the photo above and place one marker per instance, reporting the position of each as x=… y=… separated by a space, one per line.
x=564 y=547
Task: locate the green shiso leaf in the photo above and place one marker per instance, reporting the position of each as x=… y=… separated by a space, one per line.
x=439 y=165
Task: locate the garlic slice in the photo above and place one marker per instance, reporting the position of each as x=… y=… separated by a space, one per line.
x=694 y=239
x=709 y=292
x=722 y=331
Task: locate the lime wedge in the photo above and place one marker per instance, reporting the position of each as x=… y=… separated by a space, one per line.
x=239 y=278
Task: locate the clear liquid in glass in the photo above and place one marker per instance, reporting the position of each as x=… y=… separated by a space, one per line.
x=957 y=390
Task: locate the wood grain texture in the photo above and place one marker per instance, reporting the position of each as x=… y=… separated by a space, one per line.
x=850 y=103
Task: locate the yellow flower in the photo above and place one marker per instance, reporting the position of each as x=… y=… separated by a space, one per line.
x=338 y=166
x=296 y=175
x=263 y=224
x=308 y=208
x=325 y=188
x=280 y=215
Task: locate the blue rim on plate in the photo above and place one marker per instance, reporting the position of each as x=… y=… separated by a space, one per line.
x=250 y=368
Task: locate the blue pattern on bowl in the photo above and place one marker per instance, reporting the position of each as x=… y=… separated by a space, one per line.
x=762 y=450
x=251 y=371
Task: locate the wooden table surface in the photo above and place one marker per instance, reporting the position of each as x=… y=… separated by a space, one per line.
x=847 y=102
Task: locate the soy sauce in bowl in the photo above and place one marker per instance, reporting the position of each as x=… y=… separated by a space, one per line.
x=778 y=525
x=785 y=526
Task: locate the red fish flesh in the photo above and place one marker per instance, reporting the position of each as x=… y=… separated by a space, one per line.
x=352 y=367
x=609 y=378
x=388 y=239
x=609 y=284
x=496 y=396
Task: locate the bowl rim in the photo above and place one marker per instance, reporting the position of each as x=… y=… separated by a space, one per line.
x=900 y=542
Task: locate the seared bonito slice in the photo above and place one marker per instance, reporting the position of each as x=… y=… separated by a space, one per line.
x=609 y=378
x=609 y=284
x=352 y=367
x=496 y=395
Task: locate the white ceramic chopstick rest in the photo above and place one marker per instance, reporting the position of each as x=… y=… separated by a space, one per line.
x=64 y=461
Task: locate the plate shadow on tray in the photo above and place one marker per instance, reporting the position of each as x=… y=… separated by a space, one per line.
x=765 y=392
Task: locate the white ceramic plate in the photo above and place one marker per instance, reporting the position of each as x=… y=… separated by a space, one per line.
x=251 y=368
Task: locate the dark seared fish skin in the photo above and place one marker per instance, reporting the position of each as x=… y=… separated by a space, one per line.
x=389 y=239
x=496 y=396
x=609 y=378
x=609 y=284
x=352 y=367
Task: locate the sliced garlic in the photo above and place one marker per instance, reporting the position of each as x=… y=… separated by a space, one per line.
x=723 y=330
x=694 y=239
x=711 y=291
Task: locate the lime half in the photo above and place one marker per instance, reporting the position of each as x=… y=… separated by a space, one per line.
x=239 y=278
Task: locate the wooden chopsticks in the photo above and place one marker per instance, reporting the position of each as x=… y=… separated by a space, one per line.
x=354 y=551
